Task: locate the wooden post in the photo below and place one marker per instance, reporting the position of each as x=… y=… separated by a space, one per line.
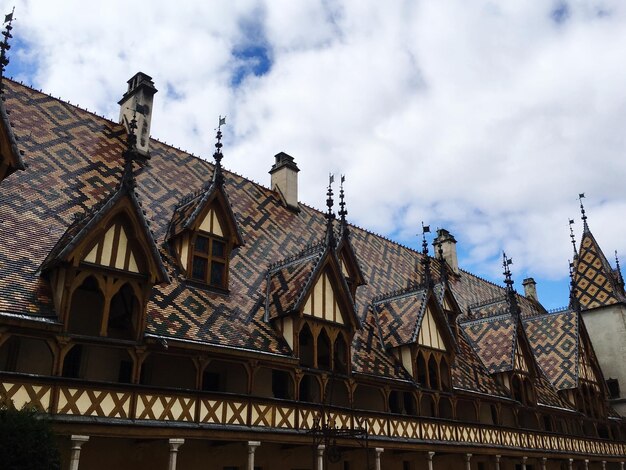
x=379 y=450
x=252 y=445
x=77 y=443
x=174 y=445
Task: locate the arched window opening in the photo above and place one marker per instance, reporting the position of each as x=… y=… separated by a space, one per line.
x=337 y=394
x=340 y=353
x=309 y=390
x=282 y=385
x=433 y=373
x=98 y=363
x=422 y=375
x=367 y=397
x=445 y=408
x=395 y=402
x=529 y=393
x=409 y=403
x=73 y=361
x=488 y=414
x=528 y=419
x=165 y=370
x=85 y=316
x=445 y=375
x=507 y=415
x=323 y=350
x=466 y=411
x=305 y=346
x=227 y=377
x=516 y=389
x=427 y=406
x=26 y=356
x=123 y=314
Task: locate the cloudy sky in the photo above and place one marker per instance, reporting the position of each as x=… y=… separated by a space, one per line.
x=487 y=118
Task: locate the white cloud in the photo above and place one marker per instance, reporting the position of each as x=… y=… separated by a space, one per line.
x=487 y=119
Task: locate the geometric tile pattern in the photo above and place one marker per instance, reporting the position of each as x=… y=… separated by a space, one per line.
x=494 y=340
x=399 y=317
x=554 y=340
x=74 y=163
x=594 y=277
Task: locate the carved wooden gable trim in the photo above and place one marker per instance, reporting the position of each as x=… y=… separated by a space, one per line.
x=117 y=250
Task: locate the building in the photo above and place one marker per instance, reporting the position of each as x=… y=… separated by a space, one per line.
x=164 y=311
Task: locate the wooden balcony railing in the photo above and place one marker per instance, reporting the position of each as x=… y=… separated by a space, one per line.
x=63 y=397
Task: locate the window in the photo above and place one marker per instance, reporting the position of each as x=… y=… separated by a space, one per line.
x=209 y=260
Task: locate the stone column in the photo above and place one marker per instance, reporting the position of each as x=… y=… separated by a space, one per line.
x=524 y=459
x=252 y=445
x=586 y=464
x=430 y=460
x=543 y=463
x=379 y=450
x=498 y=457
x=174 y=445
x=320 y=457
x=621 y=465
x=570 y=464
x=77 y=443
x=604 y=465
x=468 y=465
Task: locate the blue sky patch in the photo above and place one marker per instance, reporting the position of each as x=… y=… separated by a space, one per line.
x=560 y=13
x=250 y=60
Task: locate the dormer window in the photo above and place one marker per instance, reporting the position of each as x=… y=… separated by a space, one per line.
x=209 y=260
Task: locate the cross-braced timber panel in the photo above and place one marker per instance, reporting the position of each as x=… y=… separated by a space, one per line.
x=21 y=395
x=165 y=408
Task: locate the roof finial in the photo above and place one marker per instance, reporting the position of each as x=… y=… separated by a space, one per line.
x=128 y=177
x=425 y=257
x=581 y=196
x=508 y=281
x=573 y=297
x=4 y=45
x=330 y=216
x=342 y=209
x=218 y=177
x=573 y=238
x=620 y=279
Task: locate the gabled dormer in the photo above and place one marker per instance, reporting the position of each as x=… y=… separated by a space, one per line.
x=203 y=232
x=414 y=328
x=310 y=303
x=103 y=267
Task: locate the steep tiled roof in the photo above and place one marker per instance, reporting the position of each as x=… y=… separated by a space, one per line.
x=594 y=278
x=74 y=161
x=493 y=338
x=554 y=340
x=400 y=316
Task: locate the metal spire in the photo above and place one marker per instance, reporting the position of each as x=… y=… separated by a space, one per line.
x=330 y=216
x=4 y=45
x=425 y=257
x=620 y=279
x=218 y=177
x=573 y=238
x=128 y=177
x=508 y=281
x=342 y=209
x=581 y=196
x=573 y=298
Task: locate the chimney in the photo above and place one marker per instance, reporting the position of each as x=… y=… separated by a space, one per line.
x=285 y=179
x=530 y=289
x=139 y=97
x=448 y=247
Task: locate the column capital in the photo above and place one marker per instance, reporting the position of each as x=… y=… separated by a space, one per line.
x=379 y=450
x=175 y=443
x=254 y=444
x=431 y=454
x=79 y=439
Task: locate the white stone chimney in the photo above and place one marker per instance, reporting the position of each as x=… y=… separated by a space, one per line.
x=448 y=247
x=530 y=289
x=139 y=98
x=285 y=179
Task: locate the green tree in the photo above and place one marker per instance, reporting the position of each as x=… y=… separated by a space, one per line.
x=26 y=440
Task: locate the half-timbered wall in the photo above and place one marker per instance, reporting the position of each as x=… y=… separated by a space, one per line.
x=322 y=302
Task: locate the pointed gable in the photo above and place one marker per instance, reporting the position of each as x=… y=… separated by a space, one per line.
x=594 y=277
x=349 y=263
x=312 y=284
x=429 y=334
x=114 y=235
x=208 y=210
